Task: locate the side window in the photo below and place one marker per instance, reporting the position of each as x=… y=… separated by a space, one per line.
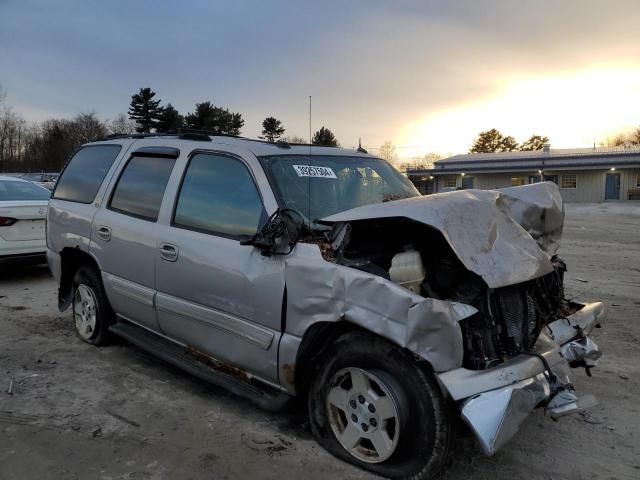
x=218 y=195
x=85 y=173
x=141 y=186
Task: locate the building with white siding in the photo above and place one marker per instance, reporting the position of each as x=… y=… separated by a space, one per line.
x=583 y=174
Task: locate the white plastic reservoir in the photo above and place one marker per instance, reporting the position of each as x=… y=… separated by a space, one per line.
x=407 y=270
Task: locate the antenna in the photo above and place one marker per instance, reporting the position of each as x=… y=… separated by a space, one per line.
x=309 y=164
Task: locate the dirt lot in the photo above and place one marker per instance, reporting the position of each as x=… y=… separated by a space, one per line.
x=115 y=413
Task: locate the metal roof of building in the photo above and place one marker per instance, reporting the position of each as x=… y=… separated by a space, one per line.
x=552 y=159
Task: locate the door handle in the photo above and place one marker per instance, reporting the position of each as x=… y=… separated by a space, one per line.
x=104 y=232
x=168 y=252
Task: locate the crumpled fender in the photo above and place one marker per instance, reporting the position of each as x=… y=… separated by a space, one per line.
x=321 y=291
x=495 y=234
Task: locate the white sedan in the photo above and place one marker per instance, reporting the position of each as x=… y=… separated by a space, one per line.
x=23 y=210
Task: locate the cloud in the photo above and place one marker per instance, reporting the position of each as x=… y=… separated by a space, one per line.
x=372 y=67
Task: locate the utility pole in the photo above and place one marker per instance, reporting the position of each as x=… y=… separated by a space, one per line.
x=310 y=138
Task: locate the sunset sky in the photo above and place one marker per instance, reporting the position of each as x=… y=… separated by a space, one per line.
x=426 y=75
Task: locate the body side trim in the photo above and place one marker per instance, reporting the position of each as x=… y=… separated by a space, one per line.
x=262 y=337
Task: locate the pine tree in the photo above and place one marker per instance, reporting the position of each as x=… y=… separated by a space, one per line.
x=491 y=141
x=487 y=142
x=272 y=129
x=216 y=119
x=145 y=110
x=508 y=144
x=325 y=137
x=535 y=142
x=170 y=120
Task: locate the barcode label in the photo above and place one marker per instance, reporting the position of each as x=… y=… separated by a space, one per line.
x=315 y=172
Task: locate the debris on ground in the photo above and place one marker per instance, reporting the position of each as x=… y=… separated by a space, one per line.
x=271 y=447
x=10 y=389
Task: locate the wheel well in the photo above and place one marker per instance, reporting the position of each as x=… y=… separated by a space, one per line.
x=318 y=338
x=314 y=343
x=71 y=259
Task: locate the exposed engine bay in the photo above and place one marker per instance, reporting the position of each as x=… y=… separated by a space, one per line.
x=509 y=319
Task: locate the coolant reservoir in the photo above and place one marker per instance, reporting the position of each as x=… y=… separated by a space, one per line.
x=407 y=270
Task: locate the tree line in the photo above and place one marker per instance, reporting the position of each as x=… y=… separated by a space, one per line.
x=492 y=140
x=46 y=145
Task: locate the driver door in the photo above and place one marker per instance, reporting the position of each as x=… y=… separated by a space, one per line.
x=214 y=294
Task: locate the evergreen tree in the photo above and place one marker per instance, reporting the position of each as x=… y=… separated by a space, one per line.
x=325 y=137
x=508 y=144
x=145 y=110
x=272 y=129
x=216 y=119
x=170 y=120
x=535 y=142
x=491 y=141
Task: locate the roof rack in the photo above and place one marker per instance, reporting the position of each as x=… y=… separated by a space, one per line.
x=203 y=135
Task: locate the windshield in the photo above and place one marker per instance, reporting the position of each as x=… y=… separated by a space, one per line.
x=334 y=183
x=16 y=190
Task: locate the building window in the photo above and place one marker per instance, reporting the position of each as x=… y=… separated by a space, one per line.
x=638 y=180
x=517 y=181
x=569 y=181
x=450 y=182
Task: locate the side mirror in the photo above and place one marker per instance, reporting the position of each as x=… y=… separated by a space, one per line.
x=279 y=235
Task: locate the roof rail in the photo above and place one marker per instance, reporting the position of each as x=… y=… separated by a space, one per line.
x=282 y=144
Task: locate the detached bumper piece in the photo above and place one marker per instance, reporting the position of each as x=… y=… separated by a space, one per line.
x=495 y=402
x=496 y=416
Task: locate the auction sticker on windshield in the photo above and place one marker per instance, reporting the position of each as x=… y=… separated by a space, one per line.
x=315 y=172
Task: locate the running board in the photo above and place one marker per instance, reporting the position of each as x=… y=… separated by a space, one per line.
x=265 y=397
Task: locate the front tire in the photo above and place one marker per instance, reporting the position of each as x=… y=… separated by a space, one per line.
x=371 y=404
x=92 y=314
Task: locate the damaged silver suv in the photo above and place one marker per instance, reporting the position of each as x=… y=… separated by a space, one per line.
x=278 y=270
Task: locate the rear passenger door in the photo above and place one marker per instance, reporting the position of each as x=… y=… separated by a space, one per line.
x=214 y=294
x=125 y=232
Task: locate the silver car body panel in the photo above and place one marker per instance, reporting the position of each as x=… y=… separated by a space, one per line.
x=538 y=208
x=219 y=280
x=479 y=227
x=496 y=401
x=217 y=320
x=461 y=383
x=322 y=291
x=130 y=290
x=496 y=416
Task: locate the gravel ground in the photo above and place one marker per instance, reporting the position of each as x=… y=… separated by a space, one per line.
x=82 y=412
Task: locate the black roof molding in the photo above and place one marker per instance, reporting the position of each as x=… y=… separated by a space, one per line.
x=162 y=152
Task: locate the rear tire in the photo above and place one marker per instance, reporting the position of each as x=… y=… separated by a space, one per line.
x=374 y=396
x=92 y=314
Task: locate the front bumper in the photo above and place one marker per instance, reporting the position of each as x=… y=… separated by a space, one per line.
x=494 y=402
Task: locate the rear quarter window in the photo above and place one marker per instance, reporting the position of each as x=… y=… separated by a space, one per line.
x=85 y=172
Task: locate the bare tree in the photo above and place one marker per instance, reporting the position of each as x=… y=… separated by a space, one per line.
x=294 y=139
x=86 y=127
x=388 y=151
x=430 y=158
x=122 y=125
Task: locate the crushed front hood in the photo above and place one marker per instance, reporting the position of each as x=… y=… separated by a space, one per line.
x=504 y=236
